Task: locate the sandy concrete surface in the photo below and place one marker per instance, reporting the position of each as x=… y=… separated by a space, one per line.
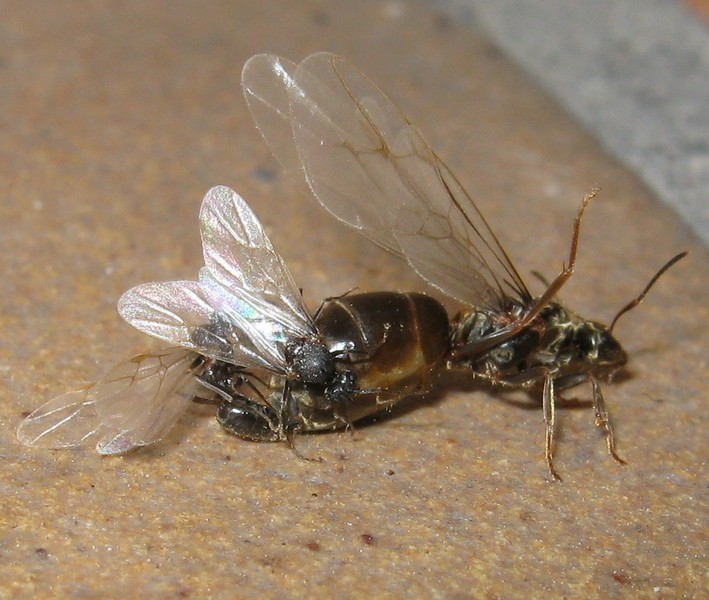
x=117 y=117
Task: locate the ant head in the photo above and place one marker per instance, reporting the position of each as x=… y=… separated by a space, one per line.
x=598 y=346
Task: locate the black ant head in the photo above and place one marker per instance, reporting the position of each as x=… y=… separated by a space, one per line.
x=599 y=347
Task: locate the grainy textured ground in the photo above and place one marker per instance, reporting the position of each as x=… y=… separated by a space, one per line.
x=117 y=117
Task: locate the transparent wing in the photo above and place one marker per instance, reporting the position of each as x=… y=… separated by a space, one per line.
x=245 y=305
x=239 y=255
x=135 y=404
x=266 y=80
x=372 y=169
x=182 y=313
x=63 y=422
x=245 y=278
x=269 y=86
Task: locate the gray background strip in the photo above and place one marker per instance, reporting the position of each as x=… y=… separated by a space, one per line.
x=634 y=72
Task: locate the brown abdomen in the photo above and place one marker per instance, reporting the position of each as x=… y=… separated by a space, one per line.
x=399 y=340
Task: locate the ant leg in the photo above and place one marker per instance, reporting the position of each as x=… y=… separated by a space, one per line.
x=567 y=270
x=548 y=400
x=603 y=419
x=330 y=299
x=202 y=400
x=291 y=431
x=290 y=438
x=366 y=355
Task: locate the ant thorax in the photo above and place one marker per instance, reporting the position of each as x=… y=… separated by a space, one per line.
x=310 y=361
x=555 y=343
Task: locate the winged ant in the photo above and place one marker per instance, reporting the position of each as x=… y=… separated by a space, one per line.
x=244 y=340
x=372 y=169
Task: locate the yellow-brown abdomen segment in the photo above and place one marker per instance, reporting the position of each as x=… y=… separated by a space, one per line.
x=397 y=340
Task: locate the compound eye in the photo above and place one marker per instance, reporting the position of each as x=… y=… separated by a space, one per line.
x=587 y=339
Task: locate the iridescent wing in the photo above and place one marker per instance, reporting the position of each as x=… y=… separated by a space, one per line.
x=245 y=306
x=135 y=404
x=179 y=313
x=372 y=169
x=241 y=259
x=266 y=80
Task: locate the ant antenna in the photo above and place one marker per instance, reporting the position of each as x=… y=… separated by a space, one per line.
x=642 y=295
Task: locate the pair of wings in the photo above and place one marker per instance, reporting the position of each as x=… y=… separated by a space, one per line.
x=245 y=305
x=242 y=310
x=373 y=170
